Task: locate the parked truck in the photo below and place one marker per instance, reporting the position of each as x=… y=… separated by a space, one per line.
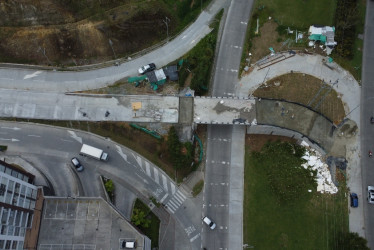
x=93 y=152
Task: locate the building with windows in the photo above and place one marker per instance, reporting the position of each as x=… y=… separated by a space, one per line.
x=17 y=202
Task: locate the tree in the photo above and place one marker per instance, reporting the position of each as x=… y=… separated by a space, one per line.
x=139 y=218
x=351 y=241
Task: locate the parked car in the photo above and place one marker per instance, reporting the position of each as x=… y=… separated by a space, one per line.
x=147 y=68
x=371 y=194
x=129 y=244
x=78 y=166
x=372 y=120
x=209 y=222
x=354 y=200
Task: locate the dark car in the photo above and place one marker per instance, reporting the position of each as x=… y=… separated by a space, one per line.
x=147 y=68
x=239 y=120
x=354 y=200
x=372 y=120
x=78 y=166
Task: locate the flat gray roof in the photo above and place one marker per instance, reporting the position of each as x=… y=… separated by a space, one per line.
x=84 y=223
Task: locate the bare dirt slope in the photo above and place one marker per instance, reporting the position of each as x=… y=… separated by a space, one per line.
x=69 y=32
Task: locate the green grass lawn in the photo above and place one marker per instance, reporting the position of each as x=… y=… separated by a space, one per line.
x=153 y=230
x=302 y=224
x=300 y=13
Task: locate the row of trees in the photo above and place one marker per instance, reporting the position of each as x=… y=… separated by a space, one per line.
x=346 y=18
x=180 y=154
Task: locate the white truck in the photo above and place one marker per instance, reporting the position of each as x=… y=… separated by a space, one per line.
x=93 y=152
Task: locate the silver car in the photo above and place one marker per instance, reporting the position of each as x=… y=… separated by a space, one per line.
x=371 y=194
x=209 y=222
x=78 y=166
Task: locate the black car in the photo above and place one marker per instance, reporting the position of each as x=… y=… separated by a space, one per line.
x=372 y=120
x=147 y=68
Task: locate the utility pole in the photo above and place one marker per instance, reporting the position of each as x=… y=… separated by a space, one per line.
x=111 y=45
x=42 y=50
x=166 y=21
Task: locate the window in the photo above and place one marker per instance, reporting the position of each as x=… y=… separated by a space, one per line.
x=4 y=218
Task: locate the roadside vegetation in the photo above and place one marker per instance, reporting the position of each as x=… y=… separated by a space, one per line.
x=146 y=221
x=298 y=16
x=303 y=89
x=69 y=32
x=280 y=212
x=197 y=67
x=197 y=188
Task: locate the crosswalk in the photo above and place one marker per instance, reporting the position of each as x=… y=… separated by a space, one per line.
x=176 y=201
x=167 y=193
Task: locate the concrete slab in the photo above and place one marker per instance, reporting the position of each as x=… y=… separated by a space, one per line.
x=218 y=110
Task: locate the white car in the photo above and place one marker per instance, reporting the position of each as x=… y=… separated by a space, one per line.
x=146 y=68
x=371 y=194
x=129 y=244
x=209 y=222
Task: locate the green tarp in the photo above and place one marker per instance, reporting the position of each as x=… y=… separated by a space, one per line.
x=136 y=79
x=320 y=38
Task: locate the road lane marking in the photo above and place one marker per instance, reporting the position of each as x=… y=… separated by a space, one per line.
x=35 y=74
x=195 y=237
x=34 y=135
x=147 y=168
x=12 y=139
x=74 y=136
x=155 y=171
x=164 y=182
x=66 y=140
x=172 y=188
x=163 y=198
x=119 y=151
x=13 y=128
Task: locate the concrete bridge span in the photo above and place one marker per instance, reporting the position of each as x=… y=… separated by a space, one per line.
x=172 y=109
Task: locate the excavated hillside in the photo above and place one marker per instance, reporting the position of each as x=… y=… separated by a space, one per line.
x=78 y=32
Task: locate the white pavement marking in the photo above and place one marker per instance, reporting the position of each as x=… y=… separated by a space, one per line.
x=234 y=70
x=195 y=237
x=174 y=204
x=34 y=135
x=147 y=168
x=74 y=136
x=155 y=171
x=12 y=139
x=163 y=198
x=243 y=23
x=172 y=188
x=36 y=73
x=170 y=209
x=66 y=140
x=164 y=182
x=123 y=155
x=13 y=128
x=55 y=112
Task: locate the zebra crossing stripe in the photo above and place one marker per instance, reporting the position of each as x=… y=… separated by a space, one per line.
x=179 y=193
x=155 y=171
x=172 y=188
x=170 y=209
x=163 y=198
x=172 y=204
x=165 y=183
x=175 y=204
x=178 y=198
x=147 y=168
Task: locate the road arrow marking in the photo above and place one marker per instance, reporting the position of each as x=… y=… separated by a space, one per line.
x=14 y=128
x=13 y=140
x=74 y=136
x=32 y=75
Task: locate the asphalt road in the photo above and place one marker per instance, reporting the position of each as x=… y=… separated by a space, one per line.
x=50 y=149
x=219 y=146
x=367 y=129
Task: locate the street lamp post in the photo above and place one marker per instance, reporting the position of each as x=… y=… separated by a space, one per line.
x=166 y=21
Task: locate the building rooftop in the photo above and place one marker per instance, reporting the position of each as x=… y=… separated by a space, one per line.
x=85 y=223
